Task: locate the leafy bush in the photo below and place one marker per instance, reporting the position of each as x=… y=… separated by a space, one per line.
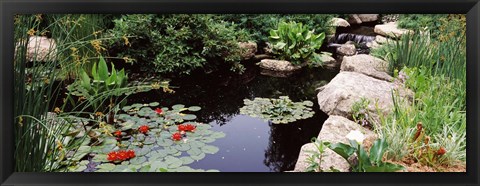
x=282 y=110
x=178 y=43
x=295 y=43
x=259 y=25
x=441 y=26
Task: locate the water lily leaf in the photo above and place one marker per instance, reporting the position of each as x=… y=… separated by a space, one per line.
x=100 y=158
x=207 y=140
x=122 y=168
x=149 y=140
x=189 y=117
x=178 y=106
x=145 y=168
x=186 y=160
x=164 y=142
x=218 y=135
x=209 y=149
x=212 y=170
x=154 y=104
x=106 y=167
x=156 y=165
x=183 y=147
x=127 y=125
x=194 y=151
x=81 y=152
x=138 y=160
x=173 y=162
x=194 y=108
x=198 y=157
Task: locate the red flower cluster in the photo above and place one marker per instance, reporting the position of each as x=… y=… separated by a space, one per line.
x=159 y=111
x=441 y=151
x=143 y=129
x=118 y=133
x=177 y=136
x=186 y=128
x=121 y=155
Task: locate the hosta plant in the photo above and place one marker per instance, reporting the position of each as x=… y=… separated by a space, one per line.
x=295 y=43
x=278 y=111
x=363 y=161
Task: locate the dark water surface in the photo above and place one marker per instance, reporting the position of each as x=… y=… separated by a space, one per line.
x=251 y=144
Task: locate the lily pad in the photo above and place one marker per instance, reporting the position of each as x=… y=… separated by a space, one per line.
x=278 y=111
x=209 y=149
x=106 y=167
x=138 y=160
x=178 y=106
x=194 y=108
x=189 y=117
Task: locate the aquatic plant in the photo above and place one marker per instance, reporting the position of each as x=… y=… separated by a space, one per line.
x=155 y=142
x=282 y=110
x=295 y=43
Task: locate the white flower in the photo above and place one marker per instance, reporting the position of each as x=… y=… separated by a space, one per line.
x=356 y=136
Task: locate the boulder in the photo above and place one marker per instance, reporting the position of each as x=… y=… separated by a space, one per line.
x=347 y=88
x=391 y=30
x=334 y=130
x=278 y=65
x=347 y=49
x=380 y=39
x=248 y=49
x=339 y=22
x=373 y=45
x=368 y=65
x=329 y=62
x=361 y=18
x=41 y=48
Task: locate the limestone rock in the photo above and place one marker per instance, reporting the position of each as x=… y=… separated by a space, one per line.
x=368 y=65
x=248 y=49
x=361 y=18
x=334 y=130
x=339 y=95
x=347 y=49
x=339 y=22
x=390 y=30
x=41 y=48
x=278 y=65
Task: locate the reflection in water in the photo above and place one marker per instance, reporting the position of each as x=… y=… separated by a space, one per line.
x=221 y=96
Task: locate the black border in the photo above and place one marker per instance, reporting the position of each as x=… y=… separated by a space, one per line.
x=10 y=7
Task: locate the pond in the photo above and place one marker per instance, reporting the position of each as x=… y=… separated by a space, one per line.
x=251 y=144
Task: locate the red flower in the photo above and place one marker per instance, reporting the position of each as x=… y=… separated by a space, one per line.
x=143 y=129
x=122 y=155
x=190 y=127
x=181 y=127
x=118 y=133
x=112 y=156
x=159 y=111
x=441 y=151
x=131 y=153
x=176 y=136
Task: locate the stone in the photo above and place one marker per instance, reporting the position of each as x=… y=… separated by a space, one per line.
x=373 y=45
x=347 y=49
x=362 y=18
x=391 y=30
x=329 y=62
x=347 y=88
x=380 y=39
x=248 y=49
x=354 y=19
x=368 y=17
x=334 y=130
x=278 y=65
x=339 y=22
x=41 y=48
x=368 y=65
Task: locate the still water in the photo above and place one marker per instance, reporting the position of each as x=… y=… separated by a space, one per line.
x=251 y=144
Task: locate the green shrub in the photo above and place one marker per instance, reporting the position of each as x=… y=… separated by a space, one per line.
x=259 y=25
x=178 y=43
x=441 y=26
x=295 y=43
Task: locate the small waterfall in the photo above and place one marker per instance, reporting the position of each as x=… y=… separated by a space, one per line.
x=344 y=37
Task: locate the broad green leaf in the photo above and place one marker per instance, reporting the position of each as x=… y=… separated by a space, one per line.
x=209 y=149
x=341 y=149
x=102 y=69
x=377 y=150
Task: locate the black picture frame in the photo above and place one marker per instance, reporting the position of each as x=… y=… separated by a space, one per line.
x=9 y=8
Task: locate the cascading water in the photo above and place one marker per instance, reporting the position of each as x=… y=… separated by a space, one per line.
x=359 y=34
